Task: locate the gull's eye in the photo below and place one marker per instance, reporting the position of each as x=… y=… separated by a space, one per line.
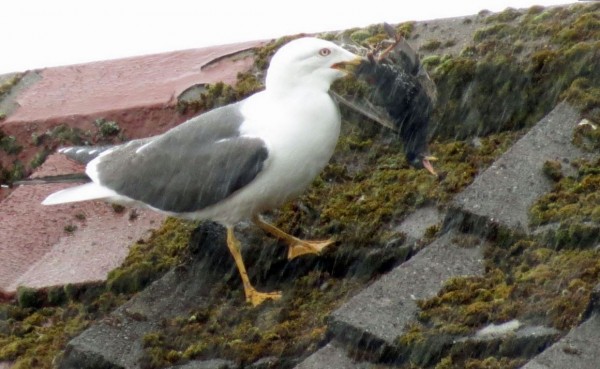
x=324 y=51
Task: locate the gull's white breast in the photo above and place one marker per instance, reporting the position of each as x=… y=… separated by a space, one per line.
x=300 y=131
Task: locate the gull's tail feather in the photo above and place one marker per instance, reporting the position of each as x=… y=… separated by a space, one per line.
x=88 y=191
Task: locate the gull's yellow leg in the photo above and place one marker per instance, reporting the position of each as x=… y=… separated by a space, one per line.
x=296 y=246
x=252 y=295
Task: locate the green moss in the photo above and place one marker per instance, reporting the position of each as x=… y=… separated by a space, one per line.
x=372 y=35
x=500 y=30
x=247 y=84
x=465 y=302
x=573 y=273
x=449 y=43
x=107 y=128
x=17 y=172
x=382 y=188
x=351 y=87
x=56 y=296
x=584 y=94
x=585 y=27
x=587 y=136
x=535 y=10
x=487 y=363
x=37 y=139
x=220 y=94
x=118 y=208
x=468 y=52
x=9 y=144
x=147 y=261
x=573 y=200
x=552 y=169
x=70 y=228
x=431 y=61
x=494 y=363
x=507 y=15
x=405 y=29
x=490 y=87
x=572 y=234
x=431 y=45
x=63 y=135
x=28 y=297
x=359 y=36
x=39 y=158
x=525 y=281
x=231 y=329
x=38 y=334
x=7 y=84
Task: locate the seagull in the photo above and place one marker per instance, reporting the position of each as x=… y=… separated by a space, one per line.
x=234 y=162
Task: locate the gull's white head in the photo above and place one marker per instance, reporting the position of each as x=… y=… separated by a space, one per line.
x=309 y=62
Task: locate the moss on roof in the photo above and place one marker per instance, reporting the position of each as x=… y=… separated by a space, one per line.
x=547 y=279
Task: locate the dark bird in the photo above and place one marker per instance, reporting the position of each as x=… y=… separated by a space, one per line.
x=402 y=97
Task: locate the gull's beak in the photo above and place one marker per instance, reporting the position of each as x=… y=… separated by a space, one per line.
x=349 y=66
x=427 y=164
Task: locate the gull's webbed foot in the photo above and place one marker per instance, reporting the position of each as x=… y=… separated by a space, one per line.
x=297 y=247
x=256 y=298
x=301 y=247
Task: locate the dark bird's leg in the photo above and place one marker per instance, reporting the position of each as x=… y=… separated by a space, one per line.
x=252 y=295
x=296 y=246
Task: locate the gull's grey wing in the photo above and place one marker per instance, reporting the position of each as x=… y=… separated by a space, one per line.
x=190 y=167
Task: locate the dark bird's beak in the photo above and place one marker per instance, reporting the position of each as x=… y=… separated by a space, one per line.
x=427 y=164
x=349 y=66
